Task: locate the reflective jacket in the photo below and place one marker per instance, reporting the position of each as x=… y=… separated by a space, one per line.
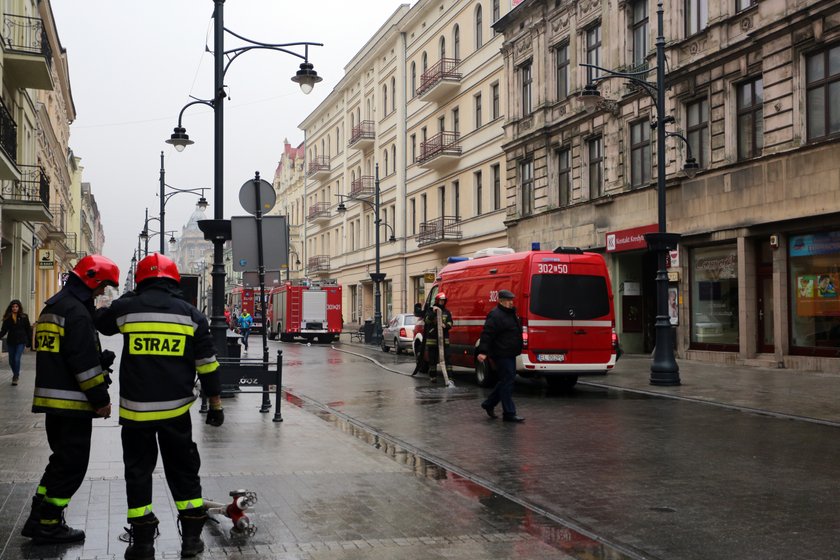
x=166 y=341
x=430 y=327
x=69 y=379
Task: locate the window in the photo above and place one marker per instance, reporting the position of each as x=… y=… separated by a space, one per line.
x=556 y=295
x=456 y=200
x=393 y=158
x=413 y=210
x=595 y=149
x=423 y=209
x=640 y=163
x=561 y=66
x=477 y=104
x=442 y=201
x=744 y=4
x=750 y=119
x=696 y=16
x=385 y=159
x=698 y=130
x=593 y=50
x=496 y=13
x=525 y=79
x=393 y=94
x=425 y=60
x=456 y=120
x=413 y=78
x=441 y=124
x=423 y=135
x=823 y=80
x=478 y=28
x=814 y=281
x=640 y=31
x=564 y=175
x=494 y=93
x=456 y=42
x=384 y=100
x=497 y=186
x=413 y=148
x=714 y=297
x=478 y=192
x=526 y=182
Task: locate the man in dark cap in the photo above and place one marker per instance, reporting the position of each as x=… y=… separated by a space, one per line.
x=500 y=344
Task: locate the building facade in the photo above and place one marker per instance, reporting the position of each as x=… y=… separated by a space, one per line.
x=418 y=116
x=289 y=181
x=751 y=87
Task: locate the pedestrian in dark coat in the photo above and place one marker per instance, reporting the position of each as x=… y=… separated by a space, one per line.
x=16 y=326
x=500 y=344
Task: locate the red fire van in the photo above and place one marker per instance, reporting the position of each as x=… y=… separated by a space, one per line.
x=563 y=297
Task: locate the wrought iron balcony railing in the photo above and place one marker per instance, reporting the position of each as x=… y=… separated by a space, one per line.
x=439 y=230
x=26 y=35
x=363 y=187
x=444 y=69
x=318 y=264
x=33 y=186
x=442 y=143
x=365 y=130
x=318 y=165
x=58 y=223
x=319 y=210
x=8 y=133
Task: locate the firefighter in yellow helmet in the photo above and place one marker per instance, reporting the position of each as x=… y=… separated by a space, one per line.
x=166 y=342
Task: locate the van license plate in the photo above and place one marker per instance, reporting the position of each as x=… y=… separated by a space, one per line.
x=551 y=357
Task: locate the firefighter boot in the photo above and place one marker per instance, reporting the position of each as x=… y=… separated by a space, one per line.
x=52 y=529
x=30 y=528
x=192 y=522
x=141 y=538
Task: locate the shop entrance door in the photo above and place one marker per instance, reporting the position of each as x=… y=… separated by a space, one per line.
x=764 y=297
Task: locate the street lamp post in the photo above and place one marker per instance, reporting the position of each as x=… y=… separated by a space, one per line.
x=378 y=277
x=164 y=198
x=664 y=369
x=146 y=234
x=218 y=229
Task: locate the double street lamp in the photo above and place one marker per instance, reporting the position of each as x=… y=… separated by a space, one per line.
x=218 y=229
x=146 y=234
x=165 y=196
x=664 y=369
x=377 y=277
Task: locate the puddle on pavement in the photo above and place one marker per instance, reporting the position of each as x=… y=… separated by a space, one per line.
x=435 y=395
x=541 y=526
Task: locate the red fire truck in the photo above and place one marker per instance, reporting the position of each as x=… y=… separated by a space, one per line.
x=307 y=309
x=242 y=299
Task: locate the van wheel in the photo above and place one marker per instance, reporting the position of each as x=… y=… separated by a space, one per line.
x=383 y=346
x=397 y=346
x=562 y=383
x=484 y=376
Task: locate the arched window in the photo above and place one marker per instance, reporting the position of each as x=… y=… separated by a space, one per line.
x=479 y=27
x=358 y=115
x=323 y=153
x=384 y=100
x=394 y=156
x=425 y=59
x=456 y=42
x=329 y=151
x=442 y=47
x=393 y=94
x=352 y=120
x=385 y=159
x=337 y=140
x=413 y=78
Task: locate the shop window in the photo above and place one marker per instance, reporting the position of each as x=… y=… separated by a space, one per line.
x=714 y=298
x=815 y=285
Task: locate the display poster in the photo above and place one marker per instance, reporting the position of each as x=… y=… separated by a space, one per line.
x=816 y=295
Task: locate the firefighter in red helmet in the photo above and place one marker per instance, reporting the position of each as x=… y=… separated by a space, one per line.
x=430 y=333
x=166 y=342
x=71 y=388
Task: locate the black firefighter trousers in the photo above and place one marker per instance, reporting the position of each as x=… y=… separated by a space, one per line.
x=180 y=463
x=69 y=439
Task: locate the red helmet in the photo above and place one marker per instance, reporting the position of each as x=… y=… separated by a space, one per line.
x=95 y=270
x=157 y=266
x=440 y=296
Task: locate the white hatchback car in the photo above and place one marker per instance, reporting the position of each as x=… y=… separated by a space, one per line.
x=399 y=333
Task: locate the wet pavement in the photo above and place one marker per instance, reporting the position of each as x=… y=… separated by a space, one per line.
x=372 y=463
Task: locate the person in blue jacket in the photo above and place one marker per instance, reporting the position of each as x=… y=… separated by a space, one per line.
x=245 y=323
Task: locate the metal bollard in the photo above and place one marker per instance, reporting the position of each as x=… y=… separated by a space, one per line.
x=278 y=390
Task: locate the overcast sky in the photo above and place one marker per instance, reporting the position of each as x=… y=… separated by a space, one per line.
x=133 y=66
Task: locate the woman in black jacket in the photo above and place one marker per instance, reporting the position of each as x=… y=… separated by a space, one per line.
x=16 y=325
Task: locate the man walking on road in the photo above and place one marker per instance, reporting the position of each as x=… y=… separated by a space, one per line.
x=500 y=344
x=166 y=341
x=71 y=387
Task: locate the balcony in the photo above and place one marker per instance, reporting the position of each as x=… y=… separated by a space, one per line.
x=8 y=145
x=362 y=188
x=440 y=232
x=362 y=136
x=71 y=245
x=440 y=150
x=319 y=212
x=28 y=198
x=440 y=81
x=319 y=167
x=57 y=227
x=28 y=56
x=319 y=264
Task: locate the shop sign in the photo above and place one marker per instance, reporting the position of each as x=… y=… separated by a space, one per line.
x=429 y=277
x=46 y=259
x=717 y=266
x=815 y=244
x=673 y=276
x=629 y=239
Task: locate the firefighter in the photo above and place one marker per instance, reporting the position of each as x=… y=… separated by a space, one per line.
x=166 y=341
x=430 y=334
x=71 y=388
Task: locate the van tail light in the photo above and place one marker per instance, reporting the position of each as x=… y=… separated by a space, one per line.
x=402 y=333
x=614 y=342
x=525 y=336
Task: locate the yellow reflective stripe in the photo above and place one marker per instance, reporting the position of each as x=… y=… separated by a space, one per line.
x=207 y=368
x=60 y=502
x=49 y=327
x=62 y=404
x=92 y=382
x=152 y=327
x=189 y=504
x=42 y=490
x=49 y=521
x=139 y=511
x=154 y=415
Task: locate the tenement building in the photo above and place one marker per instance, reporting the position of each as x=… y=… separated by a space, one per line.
x=289 y=178
x=417 y=117
x=754 y=88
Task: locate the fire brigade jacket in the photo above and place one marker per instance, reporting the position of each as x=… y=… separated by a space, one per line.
x=166 y=341
x=69 y=379
x=430 y=327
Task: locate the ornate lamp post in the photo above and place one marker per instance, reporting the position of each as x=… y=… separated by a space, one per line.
x=164 y=198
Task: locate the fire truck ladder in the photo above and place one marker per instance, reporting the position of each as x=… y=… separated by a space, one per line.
x=296 y=310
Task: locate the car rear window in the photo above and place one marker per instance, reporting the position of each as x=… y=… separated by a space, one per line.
x=409 y=319
x=567 y=296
